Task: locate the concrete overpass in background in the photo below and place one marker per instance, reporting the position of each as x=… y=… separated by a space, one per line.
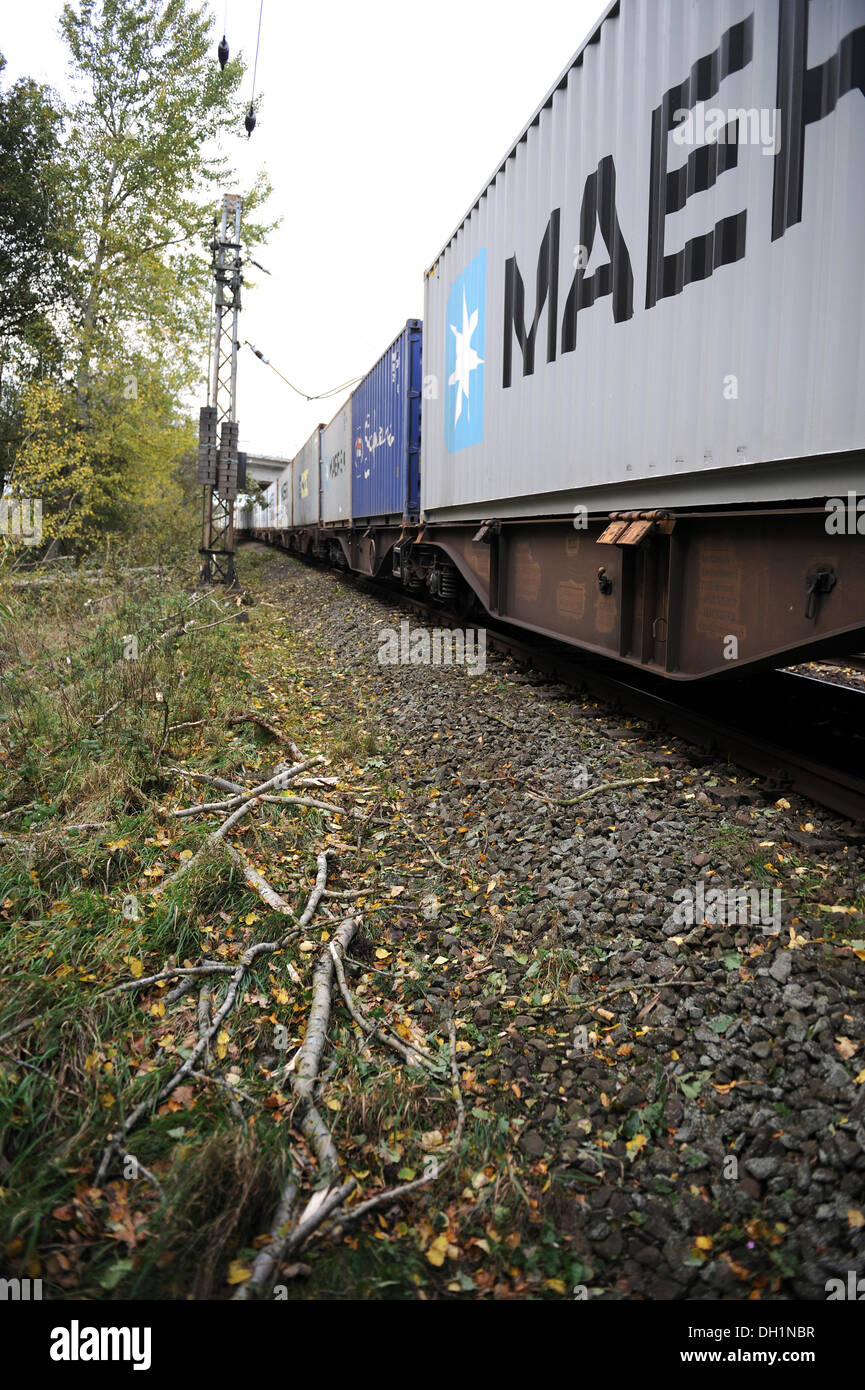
x=265 y=468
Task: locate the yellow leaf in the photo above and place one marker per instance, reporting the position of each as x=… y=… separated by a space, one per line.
x=463 y=1047
x=703 y=1242
x=634 y=1145
x=855 y=1219
x=557 y=1285
x=250 y=918
x=438 y=1250
x=281 y=996
x=158 y=1009
x=846 y=1047
x=186 y=854
x=381 y=953
x=238 y=1272
x=137 y=968
x=860 y=1079
x=332 y=1104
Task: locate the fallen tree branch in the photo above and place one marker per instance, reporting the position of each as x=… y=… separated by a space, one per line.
x=247 y=959
x=257 y=881
x=179 y=990
x=394 y=1194
x=303 y=1082
x=280 y=778
x=412 y=1053
x=600 y=787
x=305 y=1073
x=19 y=1028
x=171 y=972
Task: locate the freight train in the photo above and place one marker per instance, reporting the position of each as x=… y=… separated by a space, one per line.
x=635 y=417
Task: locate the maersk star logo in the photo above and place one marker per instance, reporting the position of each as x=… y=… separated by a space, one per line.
x=464 y=356
x=468 y=360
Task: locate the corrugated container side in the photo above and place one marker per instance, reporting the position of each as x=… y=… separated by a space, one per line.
x=386 y=421
x=649 y=305
x=336 y=442
x=305 y=481
x=281 y=503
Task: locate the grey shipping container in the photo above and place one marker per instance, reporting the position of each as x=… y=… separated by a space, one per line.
x=336 y=443
x=659 y=296
x=305 y=481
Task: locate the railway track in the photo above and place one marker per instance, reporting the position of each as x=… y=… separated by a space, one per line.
x=795 y=731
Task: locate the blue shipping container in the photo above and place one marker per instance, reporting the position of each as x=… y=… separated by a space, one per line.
x=386 y=417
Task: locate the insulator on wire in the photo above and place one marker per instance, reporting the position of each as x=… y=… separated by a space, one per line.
x=249 y=121
x=222 y=52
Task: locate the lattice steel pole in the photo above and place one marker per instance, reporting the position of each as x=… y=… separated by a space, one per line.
x=218 y=428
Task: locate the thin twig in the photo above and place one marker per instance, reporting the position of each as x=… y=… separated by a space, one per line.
x=412 y=1053
x=426 y=846
x=600 y=787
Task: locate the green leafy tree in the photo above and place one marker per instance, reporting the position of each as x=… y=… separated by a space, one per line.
x=33 y=246
x=148 y=139
x=32 y=219
x=143 y=168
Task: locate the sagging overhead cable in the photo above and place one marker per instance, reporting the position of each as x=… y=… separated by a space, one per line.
x=321 y=396
x=249 y=119
x=222 y=46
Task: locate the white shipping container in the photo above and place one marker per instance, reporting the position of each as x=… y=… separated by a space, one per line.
x=304 y=473
x=280 y=507
x=659 y=297
x=336 y=467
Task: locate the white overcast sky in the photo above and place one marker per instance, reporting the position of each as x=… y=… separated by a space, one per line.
x=379 y=123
